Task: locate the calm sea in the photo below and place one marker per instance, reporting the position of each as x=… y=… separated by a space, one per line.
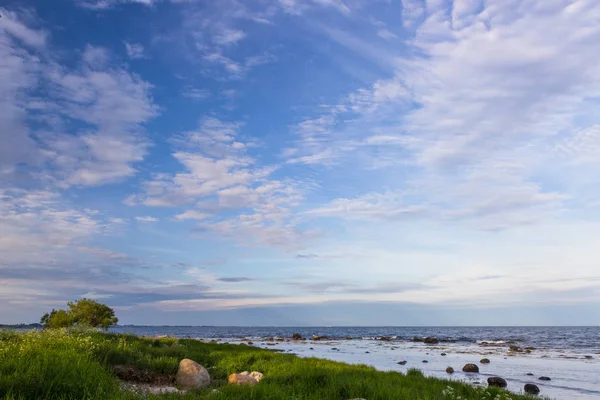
x=568 y=339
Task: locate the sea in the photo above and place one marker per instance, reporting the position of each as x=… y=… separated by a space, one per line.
x=569 y=356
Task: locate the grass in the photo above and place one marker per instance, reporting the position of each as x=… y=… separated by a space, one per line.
x=74 y=364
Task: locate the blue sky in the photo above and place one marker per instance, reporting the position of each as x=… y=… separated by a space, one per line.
x=302 y=162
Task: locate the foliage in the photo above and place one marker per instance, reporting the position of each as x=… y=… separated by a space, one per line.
x=82 y=312
x=75 y=364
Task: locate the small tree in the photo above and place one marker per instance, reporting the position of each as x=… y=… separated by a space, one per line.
x=82 y=312
x=56 y=319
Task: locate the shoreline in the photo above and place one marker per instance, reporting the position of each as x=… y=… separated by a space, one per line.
x=566 y=372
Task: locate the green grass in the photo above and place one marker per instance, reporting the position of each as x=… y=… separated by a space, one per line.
x=65 y=364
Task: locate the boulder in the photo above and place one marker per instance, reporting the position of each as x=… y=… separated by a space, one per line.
x=496 y=381
x=544 y=378
x=241 y=379
x=471 y=368
x=450 y=370
x=192 y=375
x=484 y=361
x=425 y=361
x=402 y=362
x=297 y=336
x=529 y=374
x=530 y=388
x=514 y=348
x=258 y=376
x=443 y=354
x=431 y=340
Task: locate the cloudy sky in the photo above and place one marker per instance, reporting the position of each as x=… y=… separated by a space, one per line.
x=302 y=162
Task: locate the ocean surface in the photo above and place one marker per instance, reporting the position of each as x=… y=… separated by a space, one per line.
x=568 y=355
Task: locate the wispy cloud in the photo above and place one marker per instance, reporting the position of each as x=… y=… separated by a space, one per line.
x=134 y=50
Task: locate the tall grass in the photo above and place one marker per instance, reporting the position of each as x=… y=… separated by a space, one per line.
x=79 y=365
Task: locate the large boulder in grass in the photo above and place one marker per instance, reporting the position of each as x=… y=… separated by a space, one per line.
x=471 y=368
x=192 y=375
x=242 y=379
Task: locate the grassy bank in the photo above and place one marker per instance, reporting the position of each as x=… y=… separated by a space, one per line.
x=84 y=365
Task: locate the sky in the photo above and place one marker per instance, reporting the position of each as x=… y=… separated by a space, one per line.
x=302 y=162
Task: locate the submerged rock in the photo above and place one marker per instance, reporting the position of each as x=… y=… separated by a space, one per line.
x=530 y=388
x=402 y=362
x=484 y=361
x=471 y=368
x=544 y=378
x=496 y=381
x=192 y=375
x=450 y=370
x=425 y=361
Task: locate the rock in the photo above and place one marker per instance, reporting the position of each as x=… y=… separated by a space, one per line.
x=496 y=381
x=471 y=368
x=450 y=370
x=514 y=348
x=530 y=388
x=192 y=375
x=443 y=354
x=431 y=340
x=530 y=348
x=335 y=349
x=529 y=374
x=258 y=376
x=367 y=352
x=312 y=348
x=240 y=379
x=417 y=339
x=250 y=343
x=544 y=378
x=315 y=337
x=279 y=339
x=589 y=357
x=402 y=362
x=484 y=361
x=425 y=361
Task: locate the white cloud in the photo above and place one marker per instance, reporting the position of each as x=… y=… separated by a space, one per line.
x=105 y=4
x=386 y=34
x=134 y=50
x=220 y=176
x=226 y=37
x=146 y=219
x=195 y=93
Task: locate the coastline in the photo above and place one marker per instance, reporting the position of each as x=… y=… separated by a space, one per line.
x=572 y=377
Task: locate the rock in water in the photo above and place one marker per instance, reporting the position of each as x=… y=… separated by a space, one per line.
x=239 y=379
x=530 y=388
x=496 y=381
x=529 y=374
x=192 y=375
x=484 y=361
x=470 y=368
x=402 y=362
x=431 y=340
x=544 y=378
x=425 y=361
x=450 y=370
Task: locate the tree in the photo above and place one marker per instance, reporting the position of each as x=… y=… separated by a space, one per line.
x=56 y=319
x=82 y=312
